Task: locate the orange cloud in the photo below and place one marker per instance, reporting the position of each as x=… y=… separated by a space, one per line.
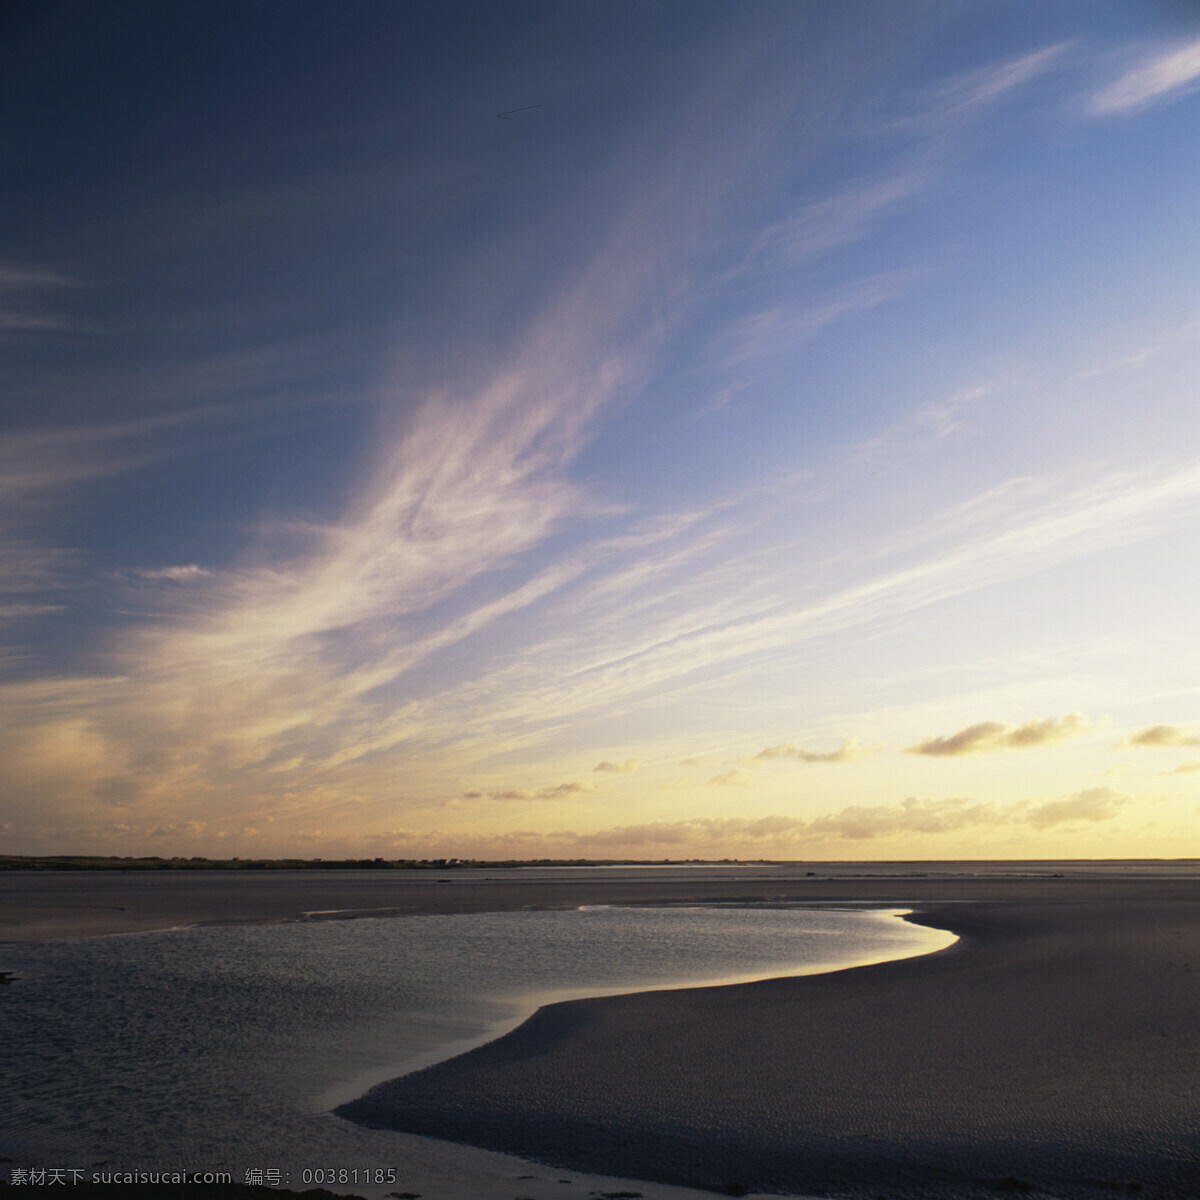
x=989 y=736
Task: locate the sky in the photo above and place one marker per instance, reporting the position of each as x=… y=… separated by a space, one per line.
x=598 y=430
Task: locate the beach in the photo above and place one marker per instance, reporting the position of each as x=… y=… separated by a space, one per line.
x=1053 y=1049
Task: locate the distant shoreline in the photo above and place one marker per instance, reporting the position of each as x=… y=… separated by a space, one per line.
x=51 y=905
x=114 y=862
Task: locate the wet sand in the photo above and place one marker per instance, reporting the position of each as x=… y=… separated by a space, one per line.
x=1056 y=1046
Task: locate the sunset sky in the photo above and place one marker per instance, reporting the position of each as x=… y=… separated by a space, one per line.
x=778 y=439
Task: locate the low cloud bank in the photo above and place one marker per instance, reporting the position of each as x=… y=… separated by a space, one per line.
x=1095 y=804
x=857 y=823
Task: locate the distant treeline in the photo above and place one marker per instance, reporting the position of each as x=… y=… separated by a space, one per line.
x=89 y=862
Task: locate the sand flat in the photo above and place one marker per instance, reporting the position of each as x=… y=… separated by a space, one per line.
x=1055 y=1047
x=49 y=905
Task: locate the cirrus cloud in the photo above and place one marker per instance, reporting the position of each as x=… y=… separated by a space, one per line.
x=1168 y=75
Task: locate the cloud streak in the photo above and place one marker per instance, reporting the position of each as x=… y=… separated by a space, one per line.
x=989 y=736
x=1159 y=78
x=558 y=792
x=735 y=778
x=848 y=751
x=629 y=766
x=21 y=307
x=1163 y=736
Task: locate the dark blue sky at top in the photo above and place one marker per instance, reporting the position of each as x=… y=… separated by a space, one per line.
x=257 y=209
x=255 y=206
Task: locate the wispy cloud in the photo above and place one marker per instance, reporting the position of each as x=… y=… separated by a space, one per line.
x=932 y=423
x=292 y=658
x=23 y=304
x=18 y=321
x=954 y=102
x=1010 y=533
x=989 y=736
x=782 y=328
x=1164 y=76
x=838 y=219
x=1147 y=351
x=629 y=766
x=558 y=792
x=1095 y=804
x=26 y=567
x=14 y=278
x=1017 y=531
x=735 y=778
x=848 y=751
x=55 y=457
x=1163 y=735
x=986 y=85
x=177 y=574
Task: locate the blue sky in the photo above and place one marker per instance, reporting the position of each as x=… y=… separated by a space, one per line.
x=779 y=439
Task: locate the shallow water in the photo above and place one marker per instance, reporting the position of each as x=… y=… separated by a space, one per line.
x=224 y=1048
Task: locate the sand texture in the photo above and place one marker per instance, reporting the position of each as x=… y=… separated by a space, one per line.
x=1056 y=1045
